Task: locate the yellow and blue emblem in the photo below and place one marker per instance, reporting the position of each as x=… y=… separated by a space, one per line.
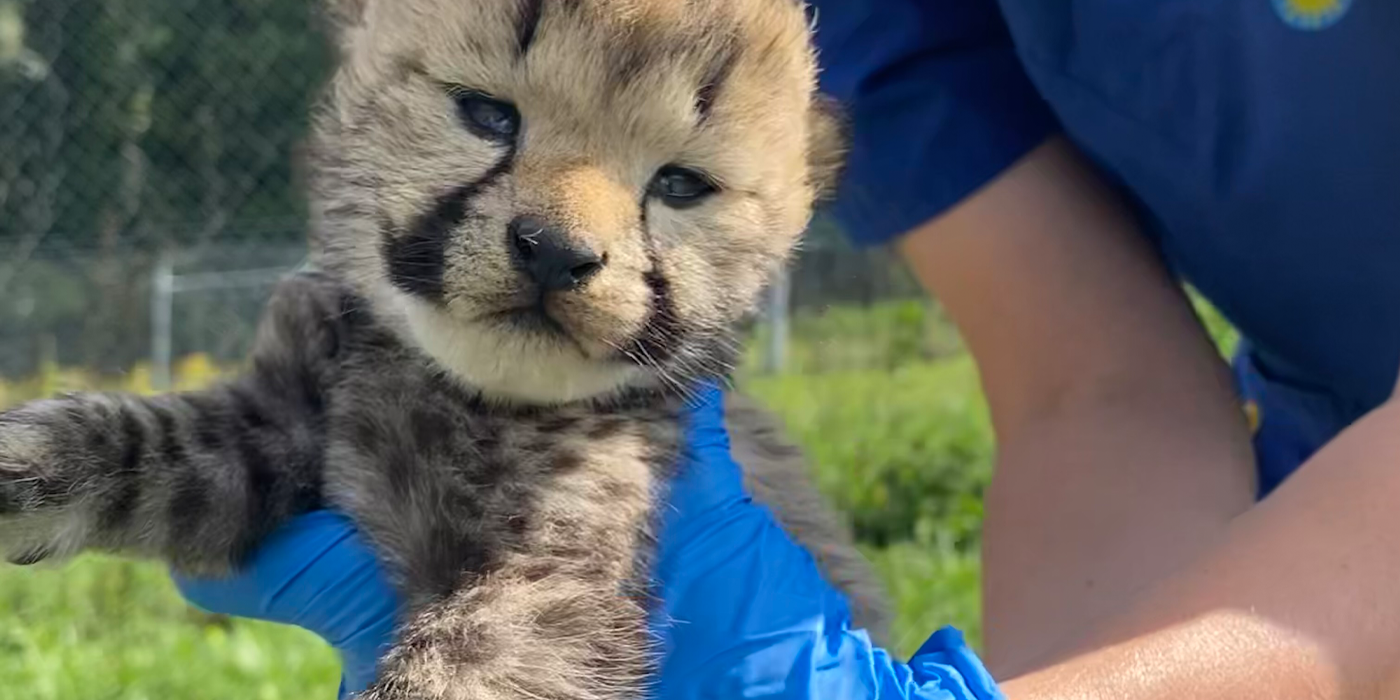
x=1253 y=416
x=1311 y=15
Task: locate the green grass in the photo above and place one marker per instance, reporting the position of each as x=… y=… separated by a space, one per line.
x=929 y=588
x=104 y=629
x=905 y=453
x=883 y=336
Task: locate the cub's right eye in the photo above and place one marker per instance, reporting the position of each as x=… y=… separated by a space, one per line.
x=487 y=116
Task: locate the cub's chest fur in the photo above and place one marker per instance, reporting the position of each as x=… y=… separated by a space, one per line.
x=449 y=484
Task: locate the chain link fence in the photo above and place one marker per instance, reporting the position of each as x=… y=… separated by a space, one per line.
x=151 y=189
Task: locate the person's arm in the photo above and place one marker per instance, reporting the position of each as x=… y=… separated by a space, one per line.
x=1296 y=602
x=1122 y=452
x=1126 y=559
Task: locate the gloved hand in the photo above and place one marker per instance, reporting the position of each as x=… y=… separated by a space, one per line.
x=746 y=611
x=317 y=573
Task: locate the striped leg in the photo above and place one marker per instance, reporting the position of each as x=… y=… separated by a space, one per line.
x=193 y=479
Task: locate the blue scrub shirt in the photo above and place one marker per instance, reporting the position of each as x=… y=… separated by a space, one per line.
x=1259 y=141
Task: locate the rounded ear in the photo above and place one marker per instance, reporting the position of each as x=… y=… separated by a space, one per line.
x=343 y=15
x=829 y=139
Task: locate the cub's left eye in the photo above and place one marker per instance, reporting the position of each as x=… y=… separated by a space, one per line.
x=487 y=116
x=681 y=187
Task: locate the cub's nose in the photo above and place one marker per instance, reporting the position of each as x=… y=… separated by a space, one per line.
x=549 y=256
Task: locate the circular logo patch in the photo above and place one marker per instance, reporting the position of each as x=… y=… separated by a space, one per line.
x=1253 y=416
x=1311 y=15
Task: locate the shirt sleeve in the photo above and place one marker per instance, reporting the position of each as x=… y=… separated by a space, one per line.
x=938 y=104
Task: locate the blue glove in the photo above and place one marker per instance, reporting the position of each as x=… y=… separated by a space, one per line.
x=746 y=611
x=318 y=574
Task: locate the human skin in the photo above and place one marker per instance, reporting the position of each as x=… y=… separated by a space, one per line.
x=1122 y=451
x=1125 y=554
x=1296 y=600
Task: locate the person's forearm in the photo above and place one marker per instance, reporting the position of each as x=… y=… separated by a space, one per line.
x=1297 y=602
x=1157 y=477
x=1122 y=449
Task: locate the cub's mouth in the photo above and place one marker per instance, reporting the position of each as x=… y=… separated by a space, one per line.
x=552 y=268
x=597 y=334
x=564 y=291
x=534 y=319
x=535 y=322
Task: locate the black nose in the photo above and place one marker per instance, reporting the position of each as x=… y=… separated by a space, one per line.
x=550 y=257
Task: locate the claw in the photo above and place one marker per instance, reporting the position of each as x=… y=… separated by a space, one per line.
x=31 y=557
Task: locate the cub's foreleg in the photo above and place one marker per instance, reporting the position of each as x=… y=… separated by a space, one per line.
x=196 y=479
x=193 y=479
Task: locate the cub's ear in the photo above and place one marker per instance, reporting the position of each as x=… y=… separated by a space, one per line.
x=829 y=139
x=344 y=16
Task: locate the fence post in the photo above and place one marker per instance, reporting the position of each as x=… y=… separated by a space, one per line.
x=162 y=301
x=775 y=356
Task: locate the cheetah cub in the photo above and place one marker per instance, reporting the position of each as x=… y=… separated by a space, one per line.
x=537 y=223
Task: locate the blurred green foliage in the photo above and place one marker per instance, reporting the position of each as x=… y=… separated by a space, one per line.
x=107 y=629
x=882 y=336
x=906 y=453
x=929 y=588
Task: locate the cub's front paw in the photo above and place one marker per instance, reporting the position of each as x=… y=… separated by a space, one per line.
x=39 y=486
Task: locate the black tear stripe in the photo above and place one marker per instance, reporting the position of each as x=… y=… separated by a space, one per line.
x=661 y=332
x=528 y=24
x=416 y=260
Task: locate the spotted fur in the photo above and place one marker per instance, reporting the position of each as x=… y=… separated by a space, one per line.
x=500 y=432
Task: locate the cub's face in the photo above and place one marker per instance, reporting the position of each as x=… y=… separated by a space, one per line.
x=558 y=198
